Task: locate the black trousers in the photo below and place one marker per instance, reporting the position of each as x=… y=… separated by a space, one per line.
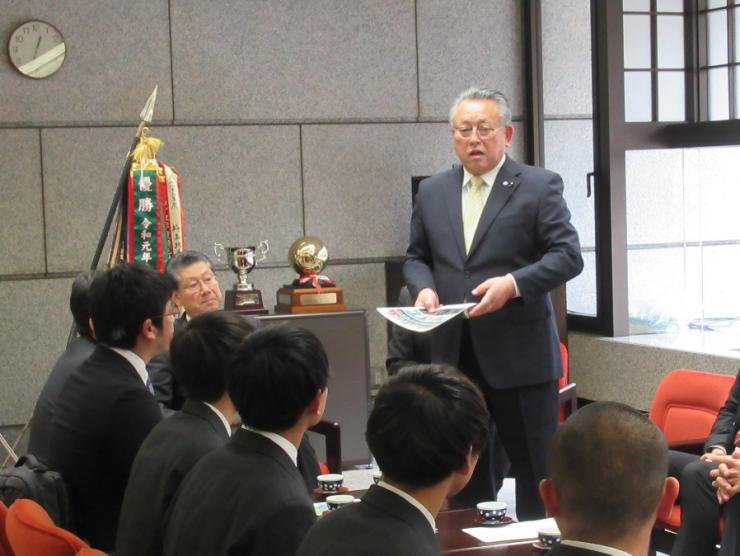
x=700 y=511
x=525 y=420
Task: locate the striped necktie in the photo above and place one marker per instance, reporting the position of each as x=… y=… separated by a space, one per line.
x=472 y=209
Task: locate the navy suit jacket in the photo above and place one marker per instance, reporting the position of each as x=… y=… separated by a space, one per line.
x=245 y=498
x=39 y=442
x=382 y=523
x=170 y=451
x=727 y=423
x=524 y=230
x=103 y=414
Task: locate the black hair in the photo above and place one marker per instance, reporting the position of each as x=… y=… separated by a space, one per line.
x=608 y=464
x=425 y=422
x=199 y=352
x=184 y=260
x=79 y=303
x=122 y=298
x=274 y=375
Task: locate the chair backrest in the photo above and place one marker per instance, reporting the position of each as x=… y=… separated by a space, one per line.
x=687 y=402
x=32 y=532
x=565 y=379
x=5 y=549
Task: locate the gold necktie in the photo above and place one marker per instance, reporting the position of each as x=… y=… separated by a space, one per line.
x=472 y=209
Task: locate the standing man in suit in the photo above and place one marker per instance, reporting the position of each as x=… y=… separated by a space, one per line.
x=608 y=478
x=498 y=233
x=427 y=429
x=248 y=497
x=107 y=406
x=79 y=349
x=197 y=292
x=199 y=355
x=710 y=486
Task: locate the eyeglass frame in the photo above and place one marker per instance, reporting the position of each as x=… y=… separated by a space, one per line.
x=467 y=132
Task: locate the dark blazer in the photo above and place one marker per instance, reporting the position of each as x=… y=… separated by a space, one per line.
x=77 y=351
x=382 y=523
x=524 y=230
x=169 y=392
x=245 y=498
x=564 y=550
x=727 y=423
x=103 y=414
x=404 y=346
x=169 y=452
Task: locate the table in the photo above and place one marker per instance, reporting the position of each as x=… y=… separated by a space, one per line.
x=452 y=540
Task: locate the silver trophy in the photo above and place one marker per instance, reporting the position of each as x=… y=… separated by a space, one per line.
x=244 y=297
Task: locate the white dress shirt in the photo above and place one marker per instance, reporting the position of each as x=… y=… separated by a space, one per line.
x=284 y=443
x=136 y=362
x=411 y=500
x=221 y=416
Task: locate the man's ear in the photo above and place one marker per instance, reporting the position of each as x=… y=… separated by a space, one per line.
x=318 y=403
x=550 y=497
x=148 y=330
x=668 y=497
x=509 y=134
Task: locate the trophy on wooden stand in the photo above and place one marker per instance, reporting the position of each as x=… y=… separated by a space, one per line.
x=310 y=292
x=243 y=297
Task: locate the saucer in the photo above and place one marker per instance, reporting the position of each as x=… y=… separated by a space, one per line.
x=539 y=546
x=319 y=490
x=494 y=522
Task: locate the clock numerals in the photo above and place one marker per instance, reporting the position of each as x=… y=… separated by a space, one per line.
x=35 y=26
x=15 y=50
x=19 y=38
x=32 y=58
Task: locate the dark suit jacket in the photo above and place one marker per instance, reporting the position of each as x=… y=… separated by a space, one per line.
x=382 y=523
x=524 y=230
x=77 y=351
x=170 y=451
x=564 y=550
x=245 y=498
x=103 y=414
x=727 y=423
x=404 y=346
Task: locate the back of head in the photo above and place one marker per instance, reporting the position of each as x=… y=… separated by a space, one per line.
x=424 y=423
x=275 y=374
x=200 y=352
x=79 y=303
x=608 y=465
x=122 y=298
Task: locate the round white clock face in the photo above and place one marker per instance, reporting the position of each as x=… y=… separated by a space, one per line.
x=36 y=49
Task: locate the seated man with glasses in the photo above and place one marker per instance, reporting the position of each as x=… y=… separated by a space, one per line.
x=107 y=407
x=197 y=292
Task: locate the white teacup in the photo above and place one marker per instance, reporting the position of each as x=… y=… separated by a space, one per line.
x=491 y=511
x=331 y=482
x=549 y=537
x=339 y=500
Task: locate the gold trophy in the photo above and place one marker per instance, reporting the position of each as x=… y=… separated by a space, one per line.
x=243 y=297
x=311 y=292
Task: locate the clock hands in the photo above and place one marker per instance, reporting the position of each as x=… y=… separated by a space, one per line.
x=38 y=43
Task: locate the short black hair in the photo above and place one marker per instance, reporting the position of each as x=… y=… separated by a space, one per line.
x=184 y=260
x=125 y=296
x=79 y=303
x=200 y=351
x=424 y=423
x=274 y=375
x=608 y=464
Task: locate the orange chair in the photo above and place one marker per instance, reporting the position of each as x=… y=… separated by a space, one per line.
x=332 y=434
x=567 y=398
x=91 y=552
x=5 y=549
x=32 y=532
x=684 y=408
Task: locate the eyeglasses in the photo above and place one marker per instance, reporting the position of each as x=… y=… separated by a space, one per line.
x=172 y=311
x=483 y=132
x=196 y=285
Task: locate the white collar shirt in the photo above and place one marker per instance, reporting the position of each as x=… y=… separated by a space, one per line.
x=284 y=443
x=220 y=416
x=411 y=500
x=136 y=362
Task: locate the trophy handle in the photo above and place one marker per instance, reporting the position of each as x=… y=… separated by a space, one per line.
x=218 y=250
x=264 y=249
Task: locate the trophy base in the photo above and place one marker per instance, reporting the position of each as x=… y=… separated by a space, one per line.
x=309 y=300
x=245 y=302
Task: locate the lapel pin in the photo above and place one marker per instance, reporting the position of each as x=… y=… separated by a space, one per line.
x=510 y=184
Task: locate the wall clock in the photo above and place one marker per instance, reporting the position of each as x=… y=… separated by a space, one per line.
x=36 y=49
